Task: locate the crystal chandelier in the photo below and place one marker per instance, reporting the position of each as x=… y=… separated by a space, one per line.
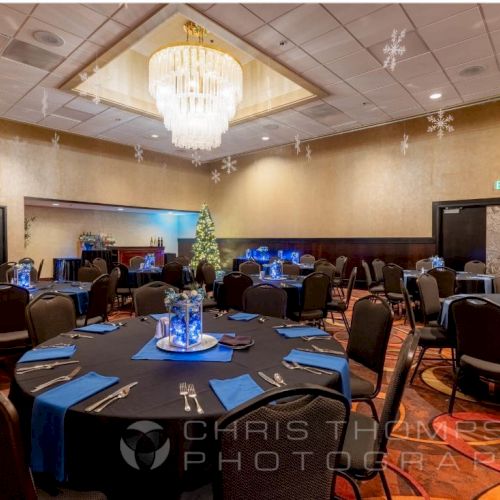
x=197 y=90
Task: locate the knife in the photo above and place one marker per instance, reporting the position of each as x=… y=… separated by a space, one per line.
x=290 y=326
x=268 y=379
x=335 y=353
x=44 y=366
x=92 y=407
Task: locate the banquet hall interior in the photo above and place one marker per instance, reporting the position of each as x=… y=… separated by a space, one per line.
x=250 y=250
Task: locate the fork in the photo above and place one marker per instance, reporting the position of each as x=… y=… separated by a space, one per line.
x=122 y=394
x=76 y=336
x=192 y=394
x=308 y=339
x=65 y=378
x=183 y=391
x=296 y=366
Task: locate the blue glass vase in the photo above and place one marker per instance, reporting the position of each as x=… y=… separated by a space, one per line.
x=185 y=327
x=23 y=275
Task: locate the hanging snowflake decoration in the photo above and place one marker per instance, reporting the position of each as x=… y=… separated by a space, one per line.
x=308 y=152
x=138 y=153
x=441 y=123
x=404 y=145
x=394 y=49
x=45 y=103
x=196 y=159
x=55 y=140
x=297 y=144
x=229 y=165
x=215 y=177
x=95 y=89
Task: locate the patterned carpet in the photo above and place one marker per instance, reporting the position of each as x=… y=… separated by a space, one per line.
x=431 y=455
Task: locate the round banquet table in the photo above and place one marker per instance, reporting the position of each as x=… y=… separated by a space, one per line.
x=76 y=290
x=92 y=441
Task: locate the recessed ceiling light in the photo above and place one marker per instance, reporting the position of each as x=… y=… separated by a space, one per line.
x=120 y=209
x=265 y=138
x=436 y=95
x=472 y=71
x=55 y=204
x=48 y=38
x=155 y=136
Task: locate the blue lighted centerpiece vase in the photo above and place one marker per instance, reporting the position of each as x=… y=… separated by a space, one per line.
x=22 y=275
x=276 y=269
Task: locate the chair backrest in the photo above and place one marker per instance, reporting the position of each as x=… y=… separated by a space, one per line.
x=50 y=314
x=33 y=274
x=327 y=268
x=265 y=299
x=475 y=266
x=98 y=298
x=249 y=267
x=27 y=260
x=150 y=298
x=350 y=285
x=291 y=269
x=123 y=279
x=371 y=326
x=315 y=288
x=410 y=313
x=13 y=301
x=234 y=285
x=446 y=280
x=15 y=479
x=135 y=262
x=378 y=265
x=340 y=263
x=101 y=264
x=429 y=297
x=3 y=271
x=368 y=273
x=392 y=274
x=40 y=267
x=307 y=258
x=424 y=264
x=477 y=325
x=114 y=277
x=208 y=276
x=319 y=262
x=88 y=274
x=183 y=260
x=198 y=275
x=172 y=274
x=256 y=474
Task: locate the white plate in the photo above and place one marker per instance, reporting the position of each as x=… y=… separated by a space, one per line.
x=207 y=342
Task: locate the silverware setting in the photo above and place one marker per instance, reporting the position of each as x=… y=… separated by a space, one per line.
x=268 y=379
x=60 y=345
x=46 y=366
x=309 y=339
x=76 y=336
x=296 y=366
x=192 y=394
x=327 y=351
x=118 y=324
x=219 y=315
x=65 y=378
x=279 y=379
x=183 y=391
x=96 y=405
x=286 y=325
x=120 y=394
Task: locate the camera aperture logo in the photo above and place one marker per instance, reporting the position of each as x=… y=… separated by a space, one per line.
x=144 y=445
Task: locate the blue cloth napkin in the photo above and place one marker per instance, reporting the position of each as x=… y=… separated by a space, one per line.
x=47 y=421
x=299 y=331
x=242 y=316
x=159 y=316
x=234 y=391
x=97 y=328
x=326 y=361
x=219 y=353
x=48 y=353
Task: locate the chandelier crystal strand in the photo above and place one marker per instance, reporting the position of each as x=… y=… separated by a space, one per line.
x=197 y=90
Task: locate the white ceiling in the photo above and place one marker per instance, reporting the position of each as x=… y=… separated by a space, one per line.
x=338 y=47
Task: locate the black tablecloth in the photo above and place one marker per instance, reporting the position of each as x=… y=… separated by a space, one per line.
x=137 y=278
x=93 y=456
x=90 y=255
x=78 y=291
x=71 y=266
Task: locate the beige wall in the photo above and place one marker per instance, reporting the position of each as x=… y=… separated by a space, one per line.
x=359 y=184
x=87 y=170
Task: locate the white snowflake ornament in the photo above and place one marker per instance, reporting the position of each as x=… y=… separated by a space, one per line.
x=196 y=159
x=308 y=152
x=394 y=49
x=404 y=145
x=229 y=165
x=297 y=144
x=440 y=123
x=215 y=177
x=138 y=153
x=55 y=140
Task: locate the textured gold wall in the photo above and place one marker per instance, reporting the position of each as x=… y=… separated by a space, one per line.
x=359 y=184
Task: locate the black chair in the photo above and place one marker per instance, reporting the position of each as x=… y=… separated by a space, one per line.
x=33 y=274
x=366 y=439
x=150 y=298
x=319 y=262
x=14 y=337
x=88 y=274
x=327 y=268
x=430 y=305
x=101 y=264
x=372 y=286
x=265 y=299
x=313 y=298
x=50 y=314
x=340 y=305
x=234 y=285
x=183 y=260
x=325 y=413
x=249 y=267
x=40 y=267
x=307 y=258
x=338 y=279
x=114 y=277
x=424 y=264
x=371 y=326
x=475 y=266
x=446 y=280
x=3 y=271
x=123 y=289
x=477 y=323
x=208 y=276
x=27 y=260
x=378 y=265
x=97 y=309
x=198 y=275
x=290 y=269
x=135 y=262
x=172 y=274
x=393 y=274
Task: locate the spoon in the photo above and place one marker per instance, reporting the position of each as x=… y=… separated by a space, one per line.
x=262 y=319
x=279 y=379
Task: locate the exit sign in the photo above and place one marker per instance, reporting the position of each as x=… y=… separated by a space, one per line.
x=497 y=185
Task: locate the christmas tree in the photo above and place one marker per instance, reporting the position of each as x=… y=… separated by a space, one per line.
x=205 y=246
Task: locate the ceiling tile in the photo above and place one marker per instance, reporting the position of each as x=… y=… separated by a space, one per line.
x=24 y=114
x=104 y=121
x=86 y=106
x=201 y=6
x=488 y=63
x=107 y=9
x=428 y=13
x=377 y=26
x=344 y=97
x=73 y=114
x=429 y=81
x=321 y=76
x=463 y=52
x=371 y=80
x=10 y=20
x=398 y=114
x=16 y=88
x=269 y=11
x=55 y=99
x=432 y=106
x=388 y=94
x=297 y=60
x=353 y=64
x=347 y=12
x=332 y=45
x=235 y=18
x=412 y=43
x=25 y=8
x=480 y=87
x=326 y=114
x=20 y=72
x=110 y=32
x=453 y=29
x=368 y=115
x=306 y=125
x=305 y=23
x=4 y=40
x=416 y=66
x=495 y=37
x=132 y=14
x=83 y=55
x=491 y=13
x=268 y=40
x=58 y=122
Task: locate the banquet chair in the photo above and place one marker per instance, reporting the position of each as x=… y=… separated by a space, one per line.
x=430 y=304
x=16 y=481
x=265 y=299
x=475 y=266
x=183 y=260
x=366 y=438
x=338 y=279
x=235 y=284
x=342 y=305
x=198 y=275
x=249 y=267
x=477 y=323
x=40 y=267
x=50 y=314
x=101 y=264
x=315 y=406
x=208 y=271
x=291 y=269
x=313 y=298
x=327 y=268
x=150 y=298
x=123 y=286
x=378 y=265
x=371 y=326
x=97 y=309
x=318 y=262
x=33 y=274
x=393 y=274
x=172 y=274
x=135 y=262
x=446 y=280
x=307 y=258
x=3 y=271
x=114 y=277
x=14 y=337
x=27 y=260
x=424 y=264
x=88 y=274
x=373 y=287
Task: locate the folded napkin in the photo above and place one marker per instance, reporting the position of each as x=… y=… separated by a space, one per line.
x=47 y=421
x=301 y=331
x=242 y=316
x=234 y=391
x=97 y=328
x=219 y=353
x=158 y=316
x=48 y=353
x=327 y=361
x=236 y=340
